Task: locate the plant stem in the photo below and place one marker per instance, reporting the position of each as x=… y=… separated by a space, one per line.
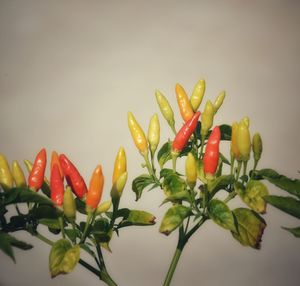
x=87 y=226
x=61 y=223
x=174 y=159
x=202 y=145
x=173 y=265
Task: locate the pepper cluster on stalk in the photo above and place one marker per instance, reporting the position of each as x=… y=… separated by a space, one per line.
x=58 y=206
x=199 y=196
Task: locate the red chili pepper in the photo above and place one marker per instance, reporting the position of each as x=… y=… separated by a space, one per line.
x=211 y=156
x=73 y=177
x=36 y=176
x=55 y=160
x=56 y=186
x=185 y=133
x=96 y=188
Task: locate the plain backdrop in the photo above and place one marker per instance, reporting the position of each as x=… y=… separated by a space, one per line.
x=70 y=71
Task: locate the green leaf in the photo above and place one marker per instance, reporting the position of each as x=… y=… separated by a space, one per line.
x=178 y=197
x=80 y=206
x=220 y=183
x=173 y=184
x=225 y=132
x=72 y=234
x=47 y=212
x=292 y=186
x=63 y=257
x=250 y=227
x=173 y=218
x=52 y=223
x=101 y=230
x=137 y=217
x=294 y=231
x=253 y=195
x=220 y=213
x=164 y=154
x=7 y=241
x=24 y=195
x=166 y=172
x=140 y=183
x=287 y=204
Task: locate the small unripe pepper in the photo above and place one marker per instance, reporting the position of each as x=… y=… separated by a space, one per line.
x=165 y=109
x=191 y=170
x=73 y=177
x=36 y=176
x=207 y=118
x=219 y=100
x=6 y=178
x=55 y=160
x=137 y=134
x=197 y=95
x=234 y=151
x=184 y=104
x=153 y=133
x=18 y=175
x=118 y=187
x=244 y=141
x=257 y=146
x=56 y=186
x=69 y=204
x=103 y=207
x=95 y=189
x=120 y=165
x=211 y=156
x=183 y=135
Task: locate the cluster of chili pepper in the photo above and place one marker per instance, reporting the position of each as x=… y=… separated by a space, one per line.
x=62 y=168
x=188 y=108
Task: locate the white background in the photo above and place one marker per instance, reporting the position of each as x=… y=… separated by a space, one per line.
x=70 y=71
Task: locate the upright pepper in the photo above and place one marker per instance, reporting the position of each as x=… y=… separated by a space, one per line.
x=219 y=100
x=165 y=109
x=257 y=148
x=197 y=95
x=95 y=189
x=153 y=133
x=18 y=175
x=120 y=165
x=55 y=160
x=191 y=170
x=184 y=104
x=36 y=176
x=73 y=177
x=69 y=204
x=207 y=118
x=6 y=178
x=244 y=141
x=56 y=186
x=211 y=156
x=234 y=151
x=138 y=135
x=183 y=135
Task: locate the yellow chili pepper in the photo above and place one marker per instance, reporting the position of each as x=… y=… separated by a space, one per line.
x=118 y=187
x=69 y=204
x=197 y=95
x=219 y=100
x=184 y=104
x=243 y=141
x=138 y=135
x=207 y=118
x=103 y=207
x=165 y=109
x=191 y=170
x=120 y=165
x=234 y=151
x=18 y=175
x=246 y=120
x=153 y=134
x=6 y=178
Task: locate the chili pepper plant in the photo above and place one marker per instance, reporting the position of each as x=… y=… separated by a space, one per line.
x=79 y=222
x=200 y=193
x=195 y=195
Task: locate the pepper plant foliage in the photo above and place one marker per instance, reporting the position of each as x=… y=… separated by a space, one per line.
x=78 y=224
x=202 y=191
